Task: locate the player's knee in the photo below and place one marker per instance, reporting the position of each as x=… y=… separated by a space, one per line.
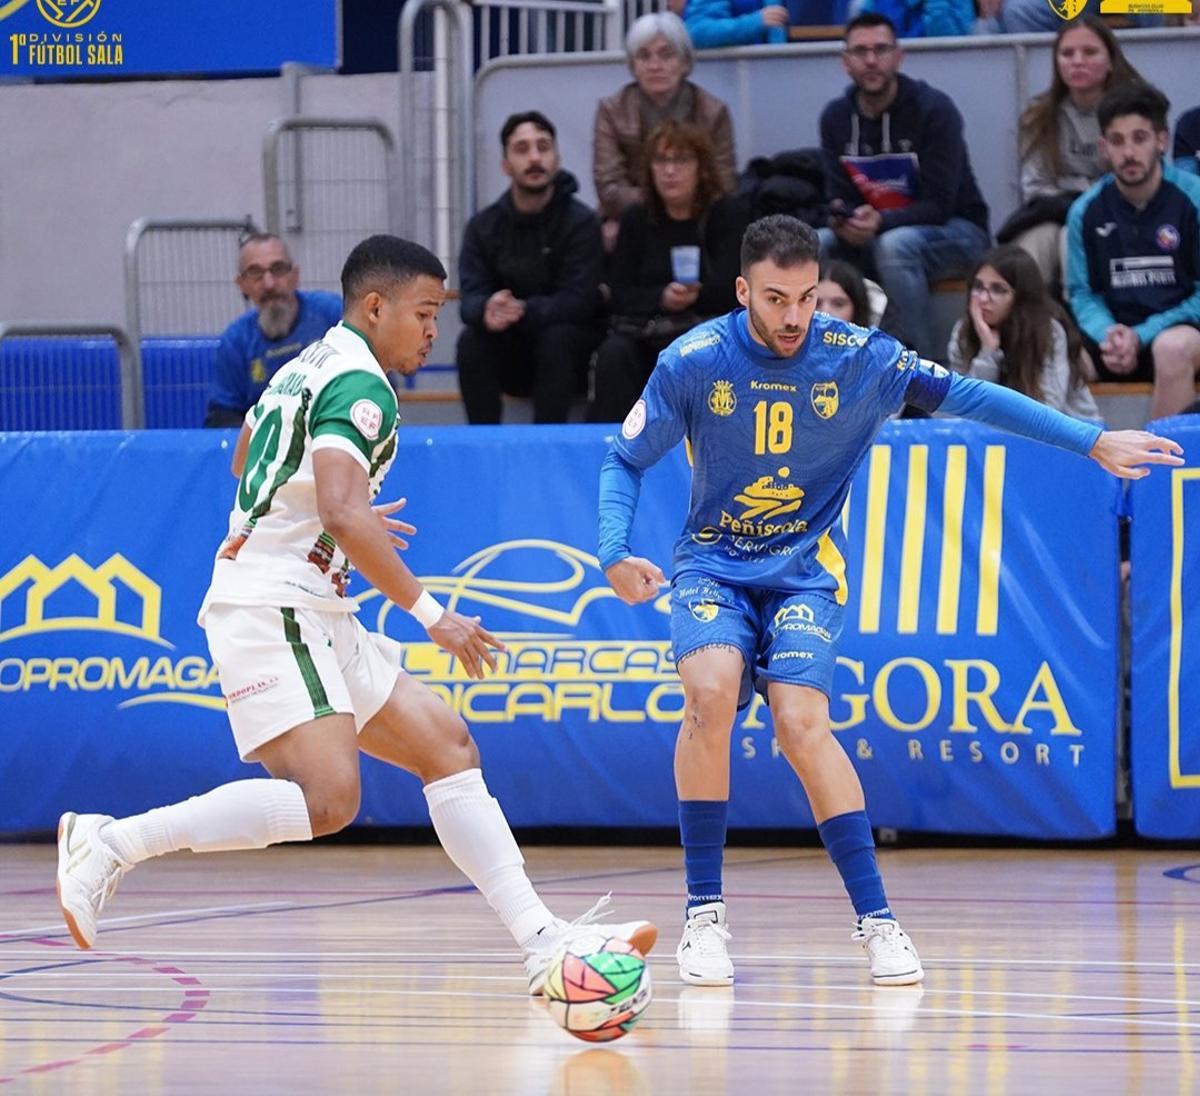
x=453 y=750
x=332 y=801
x=800 y=727
x=710 y=707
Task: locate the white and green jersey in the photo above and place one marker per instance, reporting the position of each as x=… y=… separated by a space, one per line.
x=332 y=396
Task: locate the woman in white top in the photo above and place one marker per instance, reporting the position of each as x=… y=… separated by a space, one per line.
x=1014 y=334
x=1058 y=138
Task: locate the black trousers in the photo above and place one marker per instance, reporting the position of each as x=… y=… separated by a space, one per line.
x=550 y=365
x=623 y=365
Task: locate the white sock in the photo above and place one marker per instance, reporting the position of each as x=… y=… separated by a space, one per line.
x=475 y=834
x=247 y=814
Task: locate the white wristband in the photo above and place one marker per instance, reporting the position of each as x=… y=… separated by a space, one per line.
x=427 y=610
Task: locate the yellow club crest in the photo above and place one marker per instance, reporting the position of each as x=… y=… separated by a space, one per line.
x=824 y=398
x=1067 y=9
x=704 y=611
x=721 y=400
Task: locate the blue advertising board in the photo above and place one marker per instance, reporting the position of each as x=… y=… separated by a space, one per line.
x=975 y=692
x=1164 y=599
x=54 y=39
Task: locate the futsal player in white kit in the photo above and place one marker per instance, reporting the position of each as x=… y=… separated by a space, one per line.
x=306 y=685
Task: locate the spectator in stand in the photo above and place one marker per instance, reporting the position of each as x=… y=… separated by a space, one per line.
x=923 y=18
x=676 y=263
x=1187 y=141
x=1015 y=334
x=284 y=320
x=529 y=277
x=904 y=205
x=716 y=23
x=1133 y=268
x=660 y=57
x=1059 y=140
x=843 y=292
x=1039 y=16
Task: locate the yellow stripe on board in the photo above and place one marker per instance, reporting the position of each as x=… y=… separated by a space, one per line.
x=878 y=479
x=990 y=538
x=950 y=576
x=1179 y=779
x=912 y=550
x=834 y=562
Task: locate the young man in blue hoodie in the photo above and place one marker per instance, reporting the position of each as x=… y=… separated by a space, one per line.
x=904 y=205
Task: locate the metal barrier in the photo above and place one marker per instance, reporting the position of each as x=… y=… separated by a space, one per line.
x=45 y=385
x=179 y=282
x=328 y=182
x=443 y=42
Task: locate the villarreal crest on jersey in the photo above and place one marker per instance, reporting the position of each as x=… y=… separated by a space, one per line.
x=774 y=443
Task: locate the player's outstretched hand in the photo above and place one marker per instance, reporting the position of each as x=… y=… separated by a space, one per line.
x=467 y=640
x=1123 y=452
x=635 y=579
x=393 y=526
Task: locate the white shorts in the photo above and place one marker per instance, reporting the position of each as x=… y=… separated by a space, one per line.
x=283 y=667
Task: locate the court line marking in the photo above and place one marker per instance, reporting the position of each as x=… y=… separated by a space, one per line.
x=109 y=921
x=946 y=963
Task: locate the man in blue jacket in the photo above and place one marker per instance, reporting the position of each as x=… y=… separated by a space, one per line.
x=1133 y=255
x=904 y=205
x=282 y=322
x=1187 y=141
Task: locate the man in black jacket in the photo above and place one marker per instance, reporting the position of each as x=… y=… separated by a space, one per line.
x=529 y=273
x=904 y=204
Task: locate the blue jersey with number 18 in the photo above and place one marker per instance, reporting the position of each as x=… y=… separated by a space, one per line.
x=774 y=442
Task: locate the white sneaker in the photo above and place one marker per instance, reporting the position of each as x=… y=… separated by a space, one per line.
x=894 y=960
x=703 y=953
x=88 y=873
x=559 y=933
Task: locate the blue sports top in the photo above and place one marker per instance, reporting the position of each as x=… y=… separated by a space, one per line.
x=775 y=443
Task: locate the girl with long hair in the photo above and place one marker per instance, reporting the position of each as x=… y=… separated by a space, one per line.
x=1058 y=138
x=1015 y=334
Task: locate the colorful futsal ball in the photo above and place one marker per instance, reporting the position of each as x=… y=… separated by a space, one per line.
x=598 y=987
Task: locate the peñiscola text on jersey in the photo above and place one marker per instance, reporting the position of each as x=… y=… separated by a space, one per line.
x=333 y=395
x=774 y=442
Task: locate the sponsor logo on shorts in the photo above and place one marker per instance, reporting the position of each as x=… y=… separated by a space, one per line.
x=368 y=417
x=261 y=686
x=704 y=611
x=779 y=656
x=799 y=617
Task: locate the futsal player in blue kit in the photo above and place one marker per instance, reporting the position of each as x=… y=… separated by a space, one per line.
x=779 y=405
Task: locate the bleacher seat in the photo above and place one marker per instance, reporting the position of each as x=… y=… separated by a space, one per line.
x=176 y=374
x=59 y=384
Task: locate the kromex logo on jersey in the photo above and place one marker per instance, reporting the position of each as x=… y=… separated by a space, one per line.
x=115 y=598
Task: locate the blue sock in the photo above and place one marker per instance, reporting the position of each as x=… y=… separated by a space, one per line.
x=851 y=847
x=702 y=832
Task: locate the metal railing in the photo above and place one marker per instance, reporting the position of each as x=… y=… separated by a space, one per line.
x=179 y=284
x=441 y=44
x=329 y=182
x=42 y=389
x=179 y=275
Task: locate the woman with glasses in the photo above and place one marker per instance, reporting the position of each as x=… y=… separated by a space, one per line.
x=1015 y=334
x=1058 y=138
x=660 y=58
x=675 y=264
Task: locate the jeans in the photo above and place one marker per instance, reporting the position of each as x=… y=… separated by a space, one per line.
x=905 y=260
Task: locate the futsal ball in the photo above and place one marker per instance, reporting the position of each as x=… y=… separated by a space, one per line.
x=597 y=987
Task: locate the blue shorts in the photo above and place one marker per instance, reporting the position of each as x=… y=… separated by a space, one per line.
x=786 y=637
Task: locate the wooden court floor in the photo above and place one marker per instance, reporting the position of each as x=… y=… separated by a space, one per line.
x=365 y=970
